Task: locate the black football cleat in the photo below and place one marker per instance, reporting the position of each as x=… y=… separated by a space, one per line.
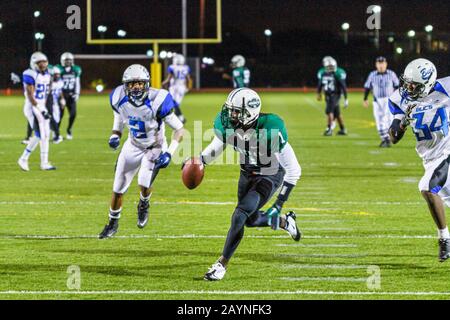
x=342 y=132
x=385 y=144
x=444 y=249
x=142 y=212
x=110 y=229
x=291 y=227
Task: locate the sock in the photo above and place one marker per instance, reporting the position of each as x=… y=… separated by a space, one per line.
x=144 y=198
x=30 y=148
x=443 y=233
x=114 y=214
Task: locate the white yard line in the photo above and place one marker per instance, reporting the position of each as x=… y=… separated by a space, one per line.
x=321 y=255
x=219 y=292
x=323 y=266
x=325 y=279
x=316 y=245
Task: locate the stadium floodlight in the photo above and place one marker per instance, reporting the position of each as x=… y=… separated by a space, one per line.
x=268 y=33
x=37 y=13
x=345 y=26
x=163 y=54
x=39 y=36
x=150 y=53
x=100 y=88
x=169 y=55
x=1 y=26
x=208 y=61
x=102 y=28
x=428 y=28
x=390 y=39
x=411 y=33
x=399 y=50
x=376 y=9
x=121 y=33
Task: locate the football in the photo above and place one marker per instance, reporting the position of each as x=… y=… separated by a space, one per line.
x=192 y=172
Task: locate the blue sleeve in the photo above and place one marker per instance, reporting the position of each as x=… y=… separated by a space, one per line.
x=170 y=70
x=167 y=106
x=395 y=109
x=28 y=80
x=111 y=101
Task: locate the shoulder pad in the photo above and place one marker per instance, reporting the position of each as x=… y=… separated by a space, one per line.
x=163 y=103
x=443 y=85
x=117 y=98
x=29 y=77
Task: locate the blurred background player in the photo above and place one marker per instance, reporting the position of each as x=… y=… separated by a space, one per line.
x=57 y=102
x=424 y=103
x=36 y=83
x=71 y=75
x=240 y=74
x=332 y=82
x=142 y=109
x=178 y=82
x=383 y=82
x=268 y=162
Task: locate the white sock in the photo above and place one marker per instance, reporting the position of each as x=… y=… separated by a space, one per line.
x=114 y=214
x=145 y=198
x=443 y=233
x=34 y=141
x=44 y=151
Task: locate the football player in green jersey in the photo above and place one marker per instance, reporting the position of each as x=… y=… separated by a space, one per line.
x=70 y=74
x=267 y=161
x=332 y=82
x=240 y=74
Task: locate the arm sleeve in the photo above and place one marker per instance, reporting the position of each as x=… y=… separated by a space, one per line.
x=343 y=87
x=78 y=86
x=173 y=122
x=213 y=150
x=290 y=164
x=366 y=93
x=118 y=123
x=319 y=85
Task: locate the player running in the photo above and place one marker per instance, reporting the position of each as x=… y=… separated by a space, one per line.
x=240 y=74
x=424 y=103
x=70 y=74
x=383 y=83
x=332 y=82
x=267 y=163
x=36 y=84
x=178 y=81
x=143 y=110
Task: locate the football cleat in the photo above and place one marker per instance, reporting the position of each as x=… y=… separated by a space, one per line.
x=385 y=144
x=110 y=229
x=342 y=132
x=444 y=249
x=69 y=136
x=216 y=272
x=328 y=132
x=23 y=164
x=47 y=167
x=58 y=140
x=25 y=141
x=291 y=226
x=142 y=212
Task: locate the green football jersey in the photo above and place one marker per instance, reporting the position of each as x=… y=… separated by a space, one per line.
x=329 y=80
x=257 y=146
x=241 y=77
x=69 y=77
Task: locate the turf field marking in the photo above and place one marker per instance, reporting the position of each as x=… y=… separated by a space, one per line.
x=325 y=279
x=323 y=266
x=219 y=292
x=323 y=255
x=316 y=245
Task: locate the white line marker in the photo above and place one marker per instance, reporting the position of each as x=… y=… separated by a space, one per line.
x=237 y=293
x=323 y=266
x=317 y=245
x=327 y=279
x=322 y=255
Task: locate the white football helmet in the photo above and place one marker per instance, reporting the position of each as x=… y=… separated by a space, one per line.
x=241 y=109
x=67 y=59
x=237 y=61
x=329 y=64
x=35 y=59
x=418 y=79
x=56 y=72
x=178 y=59
x=136 y=73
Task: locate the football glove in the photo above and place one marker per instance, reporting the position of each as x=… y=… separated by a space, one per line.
x=273 y=215
x=114 y=141
x=407 y=119
x=163 y=160
x=44 y=112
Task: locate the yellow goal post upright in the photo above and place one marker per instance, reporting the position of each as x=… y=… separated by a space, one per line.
x=155 y=67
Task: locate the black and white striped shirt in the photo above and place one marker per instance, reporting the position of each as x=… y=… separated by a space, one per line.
x=382 y=84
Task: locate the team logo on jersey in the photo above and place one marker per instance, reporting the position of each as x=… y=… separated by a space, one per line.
x=254 y=103
x=426 y=73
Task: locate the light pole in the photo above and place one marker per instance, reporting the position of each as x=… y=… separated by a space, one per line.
x=411 y=34
x=39 y=38
x=429 y=30
x=377 y=10
x=102 y=29
x=345 y=26
x=36 y=14
x=268 y=35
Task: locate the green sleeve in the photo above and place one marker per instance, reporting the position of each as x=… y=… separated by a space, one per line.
x=77 y=70
x=276 y=129
x=320 y=73
x=218 y=127
x=341 y=74
x=60 y=67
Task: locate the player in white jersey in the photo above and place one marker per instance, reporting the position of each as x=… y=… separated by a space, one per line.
x=423 y=102
x=58 y=101
x=36 y=83
x=144 y=111
x=178 y=80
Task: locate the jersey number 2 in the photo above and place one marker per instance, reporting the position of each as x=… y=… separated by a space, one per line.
x=137 y=128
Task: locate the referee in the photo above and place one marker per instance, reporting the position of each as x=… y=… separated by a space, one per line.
x=383 y=83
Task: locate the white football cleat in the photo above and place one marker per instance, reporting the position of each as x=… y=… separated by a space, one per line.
x=47 y=167
x=23 y=164
x=291 y=226
x=69 y=137
x=59 y=140
x=216 y=272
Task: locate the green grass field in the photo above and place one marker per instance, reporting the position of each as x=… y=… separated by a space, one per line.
x=357 y=205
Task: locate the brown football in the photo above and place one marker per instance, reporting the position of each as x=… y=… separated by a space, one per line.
x=192 y=173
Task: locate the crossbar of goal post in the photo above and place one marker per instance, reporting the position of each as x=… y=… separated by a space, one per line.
x=155 y=67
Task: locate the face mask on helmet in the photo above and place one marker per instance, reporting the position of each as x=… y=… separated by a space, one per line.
x=137 y=90
x=330 y=67
x=234 y=117
x=409 y=89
